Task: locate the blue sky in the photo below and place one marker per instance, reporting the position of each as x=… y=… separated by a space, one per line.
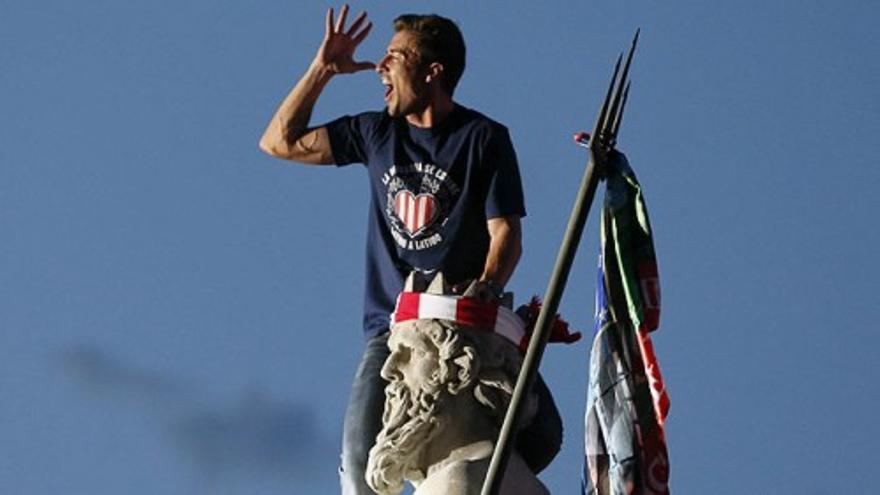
x=180 y=314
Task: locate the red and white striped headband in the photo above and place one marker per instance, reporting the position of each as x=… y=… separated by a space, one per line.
x=465 y=311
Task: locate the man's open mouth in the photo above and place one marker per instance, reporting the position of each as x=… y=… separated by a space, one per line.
x=388 y=89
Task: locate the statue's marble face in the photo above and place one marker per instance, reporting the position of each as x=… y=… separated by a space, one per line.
x=413 y=408
x=414 y=359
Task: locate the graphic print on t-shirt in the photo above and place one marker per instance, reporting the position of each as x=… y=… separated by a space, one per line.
x=419 y=198
x=416 y=212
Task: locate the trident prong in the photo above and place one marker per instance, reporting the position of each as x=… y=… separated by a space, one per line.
x=600 y=126
x=614 y=117
x=619 y=118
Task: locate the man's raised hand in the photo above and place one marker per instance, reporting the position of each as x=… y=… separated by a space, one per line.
x=336 y=54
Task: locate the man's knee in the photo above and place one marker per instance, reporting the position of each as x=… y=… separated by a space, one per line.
x=540 y=442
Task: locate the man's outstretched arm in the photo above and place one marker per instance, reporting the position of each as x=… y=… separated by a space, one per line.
x=288 y=135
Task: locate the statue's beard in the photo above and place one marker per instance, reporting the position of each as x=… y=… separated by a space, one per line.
x=410 y=422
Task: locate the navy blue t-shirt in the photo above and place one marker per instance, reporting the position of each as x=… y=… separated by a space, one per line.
x=432 y=192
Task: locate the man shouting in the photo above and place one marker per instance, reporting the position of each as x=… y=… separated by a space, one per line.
x=445 y=195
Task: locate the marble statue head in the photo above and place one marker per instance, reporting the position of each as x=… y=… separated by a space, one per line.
x=448 y=387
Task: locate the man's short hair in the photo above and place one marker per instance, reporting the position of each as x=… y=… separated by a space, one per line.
x=439 y=40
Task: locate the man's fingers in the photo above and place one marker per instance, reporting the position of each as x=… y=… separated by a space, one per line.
x=340 y=23
x=363 y=34
x=359 y=66
x=328 y=26
x=356 y=24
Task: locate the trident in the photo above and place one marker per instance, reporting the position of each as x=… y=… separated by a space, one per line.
x=599 y=144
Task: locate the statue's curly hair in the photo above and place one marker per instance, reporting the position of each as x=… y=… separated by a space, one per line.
x=480 y=361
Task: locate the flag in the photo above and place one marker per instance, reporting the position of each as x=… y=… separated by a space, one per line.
x=627 y=403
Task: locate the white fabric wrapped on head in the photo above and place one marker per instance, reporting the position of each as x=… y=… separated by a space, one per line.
x=466 y=311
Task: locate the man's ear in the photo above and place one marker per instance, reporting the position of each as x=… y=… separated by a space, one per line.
x=465 y=371
x=434 y=71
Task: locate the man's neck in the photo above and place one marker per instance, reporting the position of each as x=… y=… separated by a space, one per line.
x=437 y=111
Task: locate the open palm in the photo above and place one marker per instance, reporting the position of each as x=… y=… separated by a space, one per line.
x=337 y=49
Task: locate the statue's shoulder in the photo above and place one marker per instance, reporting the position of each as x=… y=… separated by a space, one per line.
x=462 y=477
x=466 y=476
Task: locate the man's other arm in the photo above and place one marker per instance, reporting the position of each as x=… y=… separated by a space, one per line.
x=288 y=135
x=505 y=248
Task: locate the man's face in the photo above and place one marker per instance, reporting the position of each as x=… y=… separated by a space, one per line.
x=406 y=91
x=414 y=359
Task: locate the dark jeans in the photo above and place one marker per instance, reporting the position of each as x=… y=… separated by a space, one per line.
x=538 y=443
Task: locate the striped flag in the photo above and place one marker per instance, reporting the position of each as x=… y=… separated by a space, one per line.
x=627 y=402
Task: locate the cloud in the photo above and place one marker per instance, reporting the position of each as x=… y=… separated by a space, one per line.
x=251 y=434
x=103 y=374
x=256 y=434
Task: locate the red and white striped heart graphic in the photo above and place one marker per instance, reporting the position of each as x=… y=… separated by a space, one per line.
x=416 y=212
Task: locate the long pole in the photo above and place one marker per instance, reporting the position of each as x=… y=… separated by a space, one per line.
x=602 y=139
